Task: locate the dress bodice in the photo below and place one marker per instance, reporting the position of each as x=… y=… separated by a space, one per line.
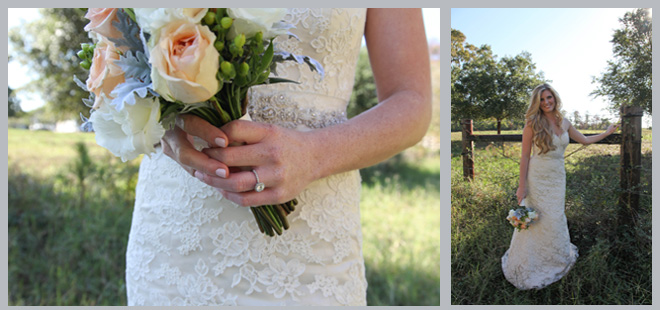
x=333 y=38
x=560 y=142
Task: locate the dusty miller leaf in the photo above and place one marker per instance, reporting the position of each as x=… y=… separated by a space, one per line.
x=286 y=56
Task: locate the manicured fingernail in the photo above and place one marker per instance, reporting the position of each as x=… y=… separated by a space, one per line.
x=220 y=142
x=199 y=175
x=221 y=173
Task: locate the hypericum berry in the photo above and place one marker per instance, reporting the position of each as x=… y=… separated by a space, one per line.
x=226 y=22
x=227 y=69
x=209 y=18
x=86 y=64
x=243 y=69
x=219 y=45
x=239 y=40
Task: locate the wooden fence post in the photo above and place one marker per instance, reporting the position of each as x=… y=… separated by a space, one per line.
x=468 y=149
x=631 y=160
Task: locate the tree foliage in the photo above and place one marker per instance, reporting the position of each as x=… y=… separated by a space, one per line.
x=14 y=104
x=48 y=47
x=462 y=53
x=484 y=87
x=627 y=80
x=364 y=95
x=516 y=77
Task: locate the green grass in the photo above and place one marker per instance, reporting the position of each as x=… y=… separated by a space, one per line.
x=614 y=266
x=65 y=253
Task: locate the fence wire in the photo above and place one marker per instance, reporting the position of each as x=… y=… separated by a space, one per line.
x=574 y=162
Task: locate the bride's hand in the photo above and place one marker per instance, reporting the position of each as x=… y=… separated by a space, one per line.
x=612 y=128
x=283 y=159
x=521 y=193
x=178 y=144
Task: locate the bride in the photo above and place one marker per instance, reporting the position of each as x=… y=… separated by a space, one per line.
x=192 y=239
x=543 y=253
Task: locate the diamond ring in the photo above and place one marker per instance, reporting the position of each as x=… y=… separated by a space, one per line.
x=259 y=186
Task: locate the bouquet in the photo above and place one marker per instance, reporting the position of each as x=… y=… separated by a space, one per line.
x=522 y=218
x=146 y=66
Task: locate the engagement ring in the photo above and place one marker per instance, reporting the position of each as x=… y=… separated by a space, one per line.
x=259 y=186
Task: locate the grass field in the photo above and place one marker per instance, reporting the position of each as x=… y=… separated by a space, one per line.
x=614 y=266
x=67 y=248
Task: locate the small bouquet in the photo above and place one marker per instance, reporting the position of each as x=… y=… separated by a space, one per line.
x=148 y=65
x=522 y=218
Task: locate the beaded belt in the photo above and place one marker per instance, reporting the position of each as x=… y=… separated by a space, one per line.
x=286 y=111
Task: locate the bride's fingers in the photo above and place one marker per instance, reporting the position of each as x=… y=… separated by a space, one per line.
x=248 y=199
x=240 y=131
x=196 y=126
x=177 y=146
x=243 y=155
x=239 y=182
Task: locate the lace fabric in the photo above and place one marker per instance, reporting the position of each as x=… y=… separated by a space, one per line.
x=189 y=246
x=543 y=254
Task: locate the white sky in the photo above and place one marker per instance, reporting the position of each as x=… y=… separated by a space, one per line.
x=568 y=45
x=18 y=75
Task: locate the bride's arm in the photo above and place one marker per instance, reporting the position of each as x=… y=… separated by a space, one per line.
x=287 y=160
x=524 y=161
x=580 y=138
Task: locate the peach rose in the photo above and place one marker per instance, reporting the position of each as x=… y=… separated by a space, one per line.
x=185 y=63
x=100 y=21
x=104 y=74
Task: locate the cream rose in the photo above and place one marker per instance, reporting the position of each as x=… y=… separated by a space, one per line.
x=104 y=74
x=185 y=63
x=130 y=132
x=151 y=20
x=249 y=21
x=100 y=21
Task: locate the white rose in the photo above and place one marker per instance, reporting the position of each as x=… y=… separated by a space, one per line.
x=532 y=215
x=151 y=20
x=249 y=21
x=130 y=132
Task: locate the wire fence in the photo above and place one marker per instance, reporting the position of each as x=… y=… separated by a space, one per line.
x=577 y=159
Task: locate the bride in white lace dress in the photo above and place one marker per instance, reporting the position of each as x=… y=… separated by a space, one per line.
x=543 y=254
x=192 y=241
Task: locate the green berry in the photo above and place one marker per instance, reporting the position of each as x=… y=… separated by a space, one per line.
x=226 y=22
x=227 y=68
x=209 y=18
x=243 y=69
x=86 y=64
x=239 y=40
x=219 y=45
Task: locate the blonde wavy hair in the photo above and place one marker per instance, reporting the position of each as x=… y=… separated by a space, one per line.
x=541 y=128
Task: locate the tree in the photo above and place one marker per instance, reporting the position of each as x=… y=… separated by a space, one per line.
x=49 y=46
x=576 y=118
x=483 y=87
x=627 y=80
x=515 y=80
x=462 y=54
x=364 y=94
x=14 y=104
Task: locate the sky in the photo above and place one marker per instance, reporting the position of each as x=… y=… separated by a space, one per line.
x=20 y=75
x=569 y=45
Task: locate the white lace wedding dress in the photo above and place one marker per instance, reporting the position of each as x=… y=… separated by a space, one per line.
x=189 y=246
x=543 y=253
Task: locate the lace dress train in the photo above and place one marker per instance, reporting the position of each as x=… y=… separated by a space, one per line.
x=543 y=254
x=189 y=246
